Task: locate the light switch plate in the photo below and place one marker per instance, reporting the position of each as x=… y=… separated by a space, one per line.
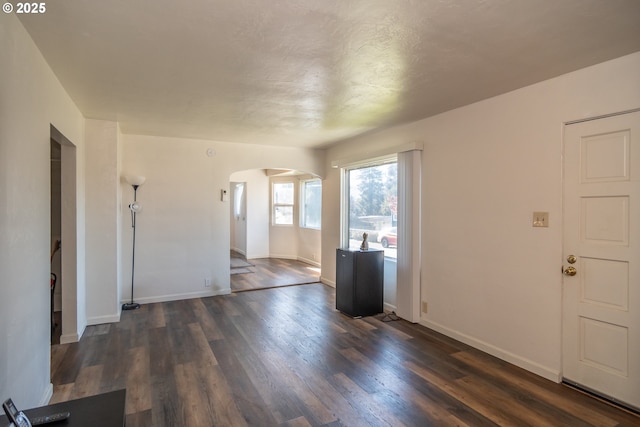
x=541 y=219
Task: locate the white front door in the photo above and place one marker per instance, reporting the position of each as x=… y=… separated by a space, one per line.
x=601 y=301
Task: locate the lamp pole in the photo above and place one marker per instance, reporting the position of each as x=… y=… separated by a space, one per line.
x=133 y=207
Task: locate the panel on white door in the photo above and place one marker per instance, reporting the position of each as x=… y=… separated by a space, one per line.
x=605 y=157
x=604 y=346
x=601 y=231
x=605 y=220
x=605 y=282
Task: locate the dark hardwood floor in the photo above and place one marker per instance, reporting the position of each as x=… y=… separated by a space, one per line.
x=285 y=356
x=264 y=273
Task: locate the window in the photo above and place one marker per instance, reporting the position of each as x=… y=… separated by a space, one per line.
x=311 y=204
x=283 y=203
x=373 y=206
x=238 y=192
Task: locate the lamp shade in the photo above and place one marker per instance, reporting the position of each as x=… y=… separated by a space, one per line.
x=135 y=179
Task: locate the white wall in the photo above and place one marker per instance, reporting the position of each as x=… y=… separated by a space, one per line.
x=309 y=246
x=103 y=221
x=309 y=242
x=331 y=187
x=389 y=297
x=489 y=278
x=31 y=99
x=183 y=231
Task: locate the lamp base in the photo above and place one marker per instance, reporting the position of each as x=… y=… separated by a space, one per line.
x=130 y=306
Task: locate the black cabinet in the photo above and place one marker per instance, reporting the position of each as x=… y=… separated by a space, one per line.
x=359 y=281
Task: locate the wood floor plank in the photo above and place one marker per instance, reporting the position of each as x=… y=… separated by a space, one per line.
x=140 y=419
x=220 y=403
x=91 y=349
x=280 y=402
x=87 y=382
x=114 y=373
x=273 y=272
x=202 y=353
x=345 y=412
x=298 y=422
x=190 y=400
x=58 y=353
x=378 y=414
x=69 y=367
x=528 y=414
x=477 y=402
x=285 y=356
x=61 y=393
x=156 y=316
x=166 y=408
x=138 y=380
x=207 y=323
x=249 y=401
x=543 y=393
x=301 y=387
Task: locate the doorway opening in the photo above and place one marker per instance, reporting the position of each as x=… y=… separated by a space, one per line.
x=56 y=242
x=275 y=229
x=64 y=305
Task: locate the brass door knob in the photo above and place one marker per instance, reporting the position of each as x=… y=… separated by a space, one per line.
x=571 y=259
x=570 y=271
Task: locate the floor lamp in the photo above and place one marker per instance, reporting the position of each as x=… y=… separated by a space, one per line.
x=135 y=207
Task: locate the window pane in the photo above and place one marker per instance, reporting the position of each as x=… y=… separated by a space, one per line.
x=283 y=215
x=283 y=193
x=311 y=204
x=373 y=207
x=237 y=199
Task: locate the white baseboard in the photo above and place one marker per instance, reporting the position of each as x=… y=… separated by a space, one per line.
x=99 y=320
x=176 y=297
x=69 y=338
x=257 y=256
x=46 y=397
x=281 y=256
x=309 y=261
x=240 y=251
x=388 y=307
x=328 y=282
x=507 y=356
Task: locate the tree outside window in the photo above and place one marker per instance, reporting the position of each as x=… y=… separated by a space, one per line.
x=373 y=206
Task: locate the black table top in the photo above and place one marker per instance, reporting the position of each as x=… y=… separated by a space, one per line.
x=102 y=410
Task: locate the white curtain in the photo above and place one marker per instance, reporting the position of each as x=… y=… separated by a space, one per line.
x=409 y=235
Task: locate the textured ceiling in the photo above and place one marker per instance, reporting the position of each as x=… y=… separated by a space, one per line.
x=312 y=72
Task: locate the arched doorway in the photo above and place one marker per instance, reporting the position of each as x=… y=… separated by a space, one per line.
x=275 y=230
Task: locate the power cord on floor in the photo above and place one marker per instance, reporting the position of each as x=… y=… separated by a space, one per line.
x=390 y=317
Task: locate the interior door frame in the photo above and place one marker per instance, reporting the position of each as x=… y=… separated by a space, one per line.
x=564 y=380
x=71 y=331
